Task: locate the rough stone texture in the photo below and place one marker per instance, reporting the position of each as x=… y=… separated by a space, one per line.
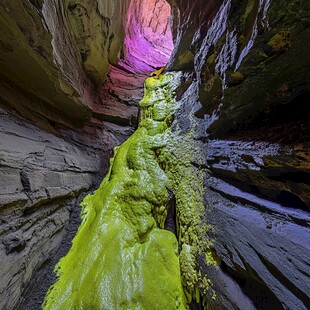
x=121 y=93
x=58 y=52
x=42 y=175
x=148 y=41
x=249 y=88
x=262 y=224
x=33 y=295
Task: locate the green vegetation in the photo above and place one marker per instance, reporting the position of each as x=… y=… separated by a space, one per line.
x=121 y=257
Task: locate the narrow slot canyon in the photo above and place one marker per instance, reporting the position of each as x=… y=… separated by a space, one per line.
x=154 y=154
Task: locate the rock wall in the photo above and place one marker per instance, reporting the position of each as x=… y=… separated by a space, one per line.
x=42 y=177
x=148 y=41
x=58 y=124
x=247 y=86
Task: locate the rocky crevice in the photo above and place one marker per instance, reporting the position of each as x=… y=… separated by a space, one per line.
x=32 y=297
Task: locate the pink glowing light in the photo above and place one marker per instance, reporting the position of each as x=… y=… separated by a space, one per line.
x=148 y=40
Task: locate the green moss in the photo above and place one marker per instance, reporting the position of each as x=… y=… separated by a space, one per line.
x=121 y=257
x=236 y=78
x=280 y=42
x=187 y=182
x=212 y=58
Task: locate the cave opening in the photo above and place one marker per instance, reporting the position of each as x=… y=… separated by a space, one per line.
x=148 y=37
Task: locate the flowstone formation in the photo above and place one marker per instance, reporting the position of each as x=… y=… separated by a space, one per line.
x=122 y=257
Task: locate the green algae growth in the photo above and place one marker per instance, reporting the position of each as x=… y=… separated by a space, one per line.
x=121 y=257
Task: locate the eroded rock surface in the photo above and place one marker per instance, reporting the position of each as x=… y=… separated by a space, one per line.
x=42 y=177
x=66 y=101
x=249 y=88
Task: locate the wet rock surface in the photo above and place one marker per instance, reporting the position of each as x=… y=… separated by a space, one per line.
x=249 y=89
x=33 y=295
x=42 y=178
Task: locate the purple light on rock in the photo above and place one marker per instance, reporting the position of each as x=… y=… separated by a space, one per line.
x=148 y=40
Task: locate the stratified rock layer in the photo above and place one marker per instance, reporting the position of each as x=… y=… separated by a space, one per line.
x=42 y=177
x=148 y=41
x=250 y=89
x=55 y=58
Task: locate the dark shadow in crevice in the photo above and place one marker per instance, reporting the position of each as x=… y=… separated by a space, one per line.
x=196 y=306
x=170 y=223
x=294 y=176
x=289 y=199
x=284 y=123
x=275 y=194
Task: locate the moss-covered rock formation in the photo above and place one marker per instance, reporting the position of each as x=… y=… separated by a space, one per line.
x=122 y=257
